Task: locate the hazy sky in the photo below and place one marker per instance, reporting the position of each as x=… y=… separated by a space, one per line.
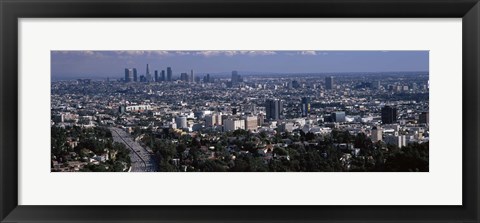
x=88 y=64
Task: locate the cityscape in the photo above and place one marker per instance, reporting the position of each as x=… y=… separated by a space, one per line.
x=272 y=111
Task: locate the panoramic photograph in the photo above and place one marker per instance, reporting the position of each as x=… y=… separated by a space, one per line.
x=239 y=111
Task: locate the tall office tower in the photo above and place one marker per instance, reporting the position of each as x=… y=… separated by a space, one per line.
x=130 y=74
x=213 y=120
x=192 y=78
x=274 y=109
x=389 y=115
x=127 y=75
x=251 y=123
x=135 y=78
x=329 y=83
x=424 y=118
x=305 y=106
x=236 y=77
x=233 y=124
x=210 y=120
x=184 y=77
x=163 y=76
x=338 y=116
x=148 y=76
x=218 y=119
x=206 y=79
x=169 y=74
x=156 y=76
x=181 y=122
x=377 y=133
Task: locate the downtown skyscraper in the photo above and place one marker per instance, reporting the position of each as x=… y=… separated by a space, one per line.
x=389 y=115
x=130 y=75
x=148 y=76
x=169 y=74
x=305 y=106
x=329 y=83
x=274 y=109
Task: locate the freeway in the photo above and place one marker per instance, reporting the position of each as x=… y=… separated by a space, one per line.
x=141 y=159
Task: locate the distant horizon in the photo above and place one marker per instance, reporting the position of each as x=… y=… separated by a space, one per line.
x=227 y=74
x=67 y=65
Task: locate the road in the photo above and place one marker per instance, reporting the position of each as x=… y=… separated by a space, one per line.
x=141 y=159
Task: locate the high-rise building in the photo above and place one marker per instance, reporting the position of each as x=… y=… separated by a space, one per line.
x=236 y=78
x=329 y=83
x=233 y=124
x=337 y=116
x=424 y=118
x=156 y=76
x=295 y=84
x=181 y=122
x=389 y=115
x=210 y=120
x=169 y=74
x=305 y=106
x=135 y=77
x=213 y=120
x=274 y=109
x=251 y=123
x=192 y=78
x=148 y=76
x=184 y=77
x=207 y=79
x=129 y=74
x=397 y=140
x=163 y=76
x=218 y=120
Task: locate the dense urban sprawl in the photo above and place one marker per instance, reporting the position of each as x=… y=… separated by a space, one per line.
x=160 y=121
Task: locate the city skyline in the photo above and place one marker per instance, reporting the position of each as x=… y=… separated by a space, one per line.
x=110 y=64
x=178 y=118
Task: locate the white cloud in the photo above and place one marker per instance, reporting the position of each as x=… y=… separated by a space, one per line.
x=75 y=52
x=129 y=54
x=183 y=52
x=82 y=53
x=264 y=52
x=210 y=53
x=207 y=53
x=308 y=52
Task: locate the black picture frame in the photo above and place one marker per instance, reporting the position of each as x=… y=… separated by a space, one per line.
x=12 y=10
